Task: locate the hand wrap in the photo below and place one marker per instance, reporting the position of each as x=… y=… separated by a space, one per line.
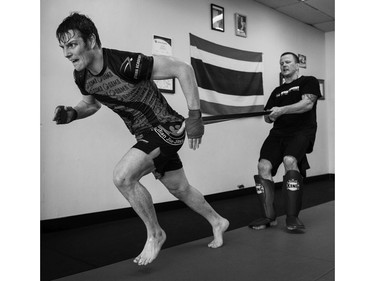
x=61 y=114
x=194 y=124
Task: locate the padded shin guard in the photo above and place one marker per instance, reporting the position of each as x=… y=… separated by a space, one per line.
x=266 y=194
x=293 y=190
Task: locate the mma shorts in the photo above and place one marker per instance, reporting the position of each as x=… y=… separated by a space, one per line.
x=165 y=137
x=275 y=148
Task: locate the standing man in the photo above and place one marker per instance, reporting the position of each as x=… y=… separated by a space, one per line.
x=123 y=82
x=293 y=114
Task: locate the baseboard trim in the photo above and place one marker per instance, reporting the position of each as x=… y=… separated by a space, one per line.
x=83 y=220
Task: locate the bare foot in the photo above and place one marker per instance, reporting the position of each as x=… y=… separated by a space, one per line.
x=218 y=231
x=151 y=249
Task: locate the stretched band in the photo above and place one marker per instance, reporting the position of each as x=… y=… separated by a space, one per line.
x=219 y=118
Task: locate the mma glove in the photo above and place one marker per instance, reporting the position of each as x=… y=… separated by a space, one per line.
x=194 y=124
x=65 y=114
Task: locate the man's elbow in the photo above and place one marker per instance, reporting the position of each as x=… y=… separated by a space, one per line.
x=98 y=105
x=95 y=106
x=183 y=69
x=309 y=106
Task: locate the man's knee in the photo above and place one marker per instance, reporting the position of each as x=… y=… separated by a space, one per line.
x=176 y=183
x=178 y=188
x=264 y=168
x=132 y=168
x=179 y=191
x=290 y=163
x=123 y=180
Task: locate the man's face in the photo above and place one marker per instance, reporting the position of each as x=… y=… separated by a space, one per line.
x=288 y=66
x=76 y=50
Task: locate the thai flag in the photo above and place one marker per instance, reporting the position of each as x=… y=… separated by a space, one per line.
x=229 y=80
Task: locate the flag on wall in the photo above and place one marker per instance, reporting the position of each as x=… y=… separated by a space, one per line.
x=229 y=81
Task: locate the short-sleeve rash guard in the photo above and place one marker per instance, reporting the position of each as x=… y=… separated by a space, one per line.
x=124 y=86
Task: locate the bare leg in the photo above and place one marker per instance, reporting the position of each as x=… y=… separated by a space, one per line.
x=265 y=169
x=290 y=163
x=178 y=185
x=129 y=170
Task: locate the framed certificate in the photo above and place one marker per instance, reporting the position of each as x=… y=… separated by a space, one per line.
x=217 y=18
x=240 y=25
x=162 y=46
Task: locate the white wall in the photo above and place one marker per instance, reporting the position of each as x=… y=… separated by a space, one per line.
x=77 y=159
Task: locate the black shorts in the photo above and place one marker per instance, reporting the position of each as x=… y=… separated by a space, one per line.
x=276 y=147
x=166 y=138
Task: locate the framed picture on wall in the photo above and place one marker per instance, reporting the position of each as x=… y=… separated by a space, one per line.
x=217 y=18
x=166 y=86
x=302 y=61
x=240 y=25
x=322 y=89
x=162 y=46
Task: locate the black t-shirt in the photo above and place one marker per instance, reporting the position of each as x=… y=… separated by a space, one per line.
x=286 y=94
x=124 y=86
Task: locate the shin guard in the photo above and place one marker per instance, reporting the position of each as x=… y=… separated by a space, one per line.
x=265 y=192
x=293 y=189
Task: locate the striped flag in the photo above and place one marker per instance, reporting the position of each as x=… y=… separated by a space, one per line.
x=229 y=80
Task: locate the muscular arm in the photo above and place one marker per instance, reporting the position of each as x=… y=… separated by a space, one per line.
x=87 y=107
x=170 y=67
x=305 y=104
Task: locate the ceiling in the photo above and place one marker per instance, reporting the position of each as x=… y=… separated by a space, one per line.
x=317 y=13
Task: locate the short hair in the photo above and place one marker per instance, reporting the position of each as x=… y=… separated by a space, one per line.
x=79 y=22
x=296 y=59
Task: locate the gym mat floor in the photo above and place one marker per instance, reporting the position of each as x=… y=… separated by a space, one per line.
x=105 y=245
x=269 y=255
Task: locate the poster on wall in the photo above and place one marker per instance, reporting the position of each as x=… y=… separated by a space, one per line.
x=162 y=46
x=240 y=25
x=217 y=18
x=302 y=61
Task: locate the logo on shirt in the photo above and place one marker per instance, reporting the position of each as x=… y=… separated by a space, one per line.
x=126 y=64
x=284 y=93
x=137 y=65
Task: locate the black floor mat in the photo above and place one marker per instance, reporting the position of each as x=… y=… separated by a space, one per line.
x=72 y=251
